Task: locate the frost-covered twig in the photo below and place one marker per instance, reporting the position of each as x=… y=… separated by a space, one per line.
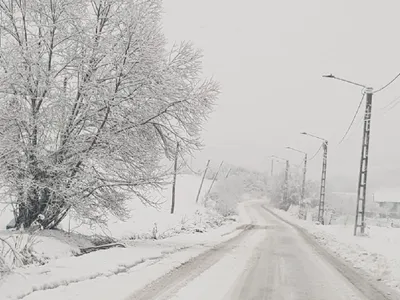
x=16 y=255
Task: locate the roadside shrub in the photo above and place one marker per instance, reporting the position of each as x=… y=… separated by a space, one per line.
x=227 y=195
x=16 y=250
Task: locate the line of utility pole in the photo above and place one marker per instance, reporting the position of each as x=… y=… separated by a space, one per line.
x=363 y=171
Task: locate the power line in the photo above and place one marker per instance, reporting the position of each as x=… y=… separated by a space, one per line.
x=394 y=105
x=319 y=149
x=389 y=83
x=354 y=118
x=187 y=165
x=391 y=105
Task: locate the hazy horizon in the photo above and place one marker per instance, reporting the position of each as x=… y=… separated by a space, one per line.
x=270 y=57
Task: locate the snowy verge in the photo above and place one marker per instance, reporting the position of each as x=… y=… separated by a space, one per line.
x=376 y=253
x=19 y=249
x=144 y=223
x=74 y=275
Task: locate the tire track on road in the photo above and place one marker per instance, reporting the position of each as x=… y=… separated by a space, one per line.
x=169 y=284
x=172 y=282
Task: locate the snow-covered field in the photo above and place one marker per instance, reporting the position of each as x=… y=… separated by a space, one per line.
x=145 y=221
x=192 y=230
x=376 y=253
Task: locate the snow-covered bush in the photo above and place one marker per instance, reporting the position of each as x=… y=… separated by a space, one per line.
x=16 y=250
x=226 y=195
x=294 y=186
x=254 y=183
x=233 y=184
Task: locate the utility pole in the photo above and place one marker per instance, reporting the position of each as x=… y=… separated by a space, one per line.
x=321 y=205
x=213 y=180
x=202 y=181
x=286 y=185
x=272 y=167
x=303 y=207
x=303 y=187
x=362 y=180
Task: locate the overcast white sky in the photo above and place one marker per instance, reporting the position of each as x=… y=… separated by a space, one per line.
x=269 y=57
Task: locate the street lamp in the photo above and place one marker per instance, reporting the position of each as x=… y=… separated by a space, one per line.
x=321 y=206
x=344 y=80
x=303 y=187
x=362 y=179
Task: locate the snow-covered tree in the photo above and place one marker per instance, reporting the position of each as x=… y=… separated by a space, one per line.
x=91 y=101
x=228 y=192
x=277 y=190
x=295 y=181
x=254 y=183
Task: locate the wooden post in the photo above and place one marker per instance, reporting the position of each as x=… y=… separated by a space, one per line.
x=202 y=181
x=215 y=178
x=174 y=180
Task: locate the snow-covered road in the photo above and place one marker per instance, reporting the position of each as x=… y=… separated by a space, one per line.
x=269 y=260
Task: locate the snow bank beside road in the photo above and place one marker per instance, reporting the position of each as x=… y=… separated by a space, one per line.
x=144 y=223
x=192 y=230
x=66 y=271
x=116 y=271
x=377 y=253
x=38 y=248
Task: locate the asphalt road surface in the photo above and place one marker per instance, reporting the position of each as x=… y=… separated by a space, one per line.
x=270 y=260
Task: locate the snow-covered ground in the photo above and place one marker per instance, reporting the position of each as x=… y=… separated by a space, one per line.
x=192 y=230
x=376 y=253
x=144 y=222
x=111 y=274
